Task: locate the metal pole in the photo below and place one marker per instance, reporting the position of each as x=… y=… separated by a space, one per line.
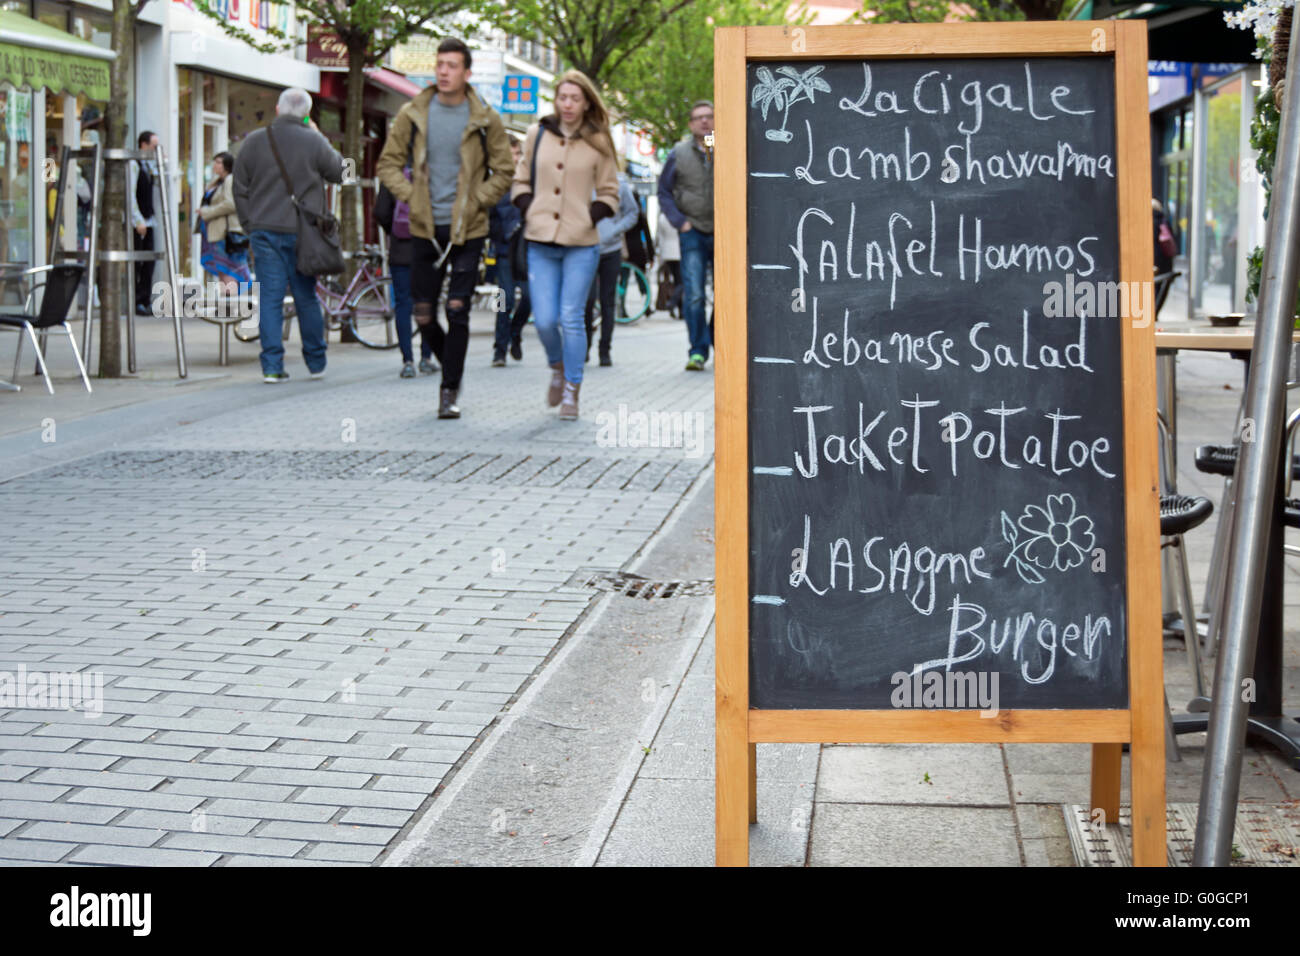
x=1196 y=227
x=92 y=255
x=169 y=258
x=1257 y=473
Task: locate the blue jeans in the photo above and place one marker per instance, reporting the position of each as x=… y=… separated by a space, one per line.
x=697 y=251
x=506 y=280
x=275 y=255
x=558 y=280
x=402 y=308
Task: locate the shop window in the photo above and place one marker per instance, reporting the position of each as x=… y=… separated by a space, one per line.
x=94 y=28
x=16 y=185
x=248 y=107
x=52 y=14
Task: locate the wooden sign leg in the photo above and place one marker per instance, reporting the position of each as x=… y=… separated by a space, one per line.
x=1107 y=760
x=753 y=783
x=733 y=793
x=1147 y=766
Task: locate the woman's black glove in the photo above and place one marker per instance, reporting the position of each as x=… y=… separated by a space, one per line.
x=600 y=211
x=523 y=201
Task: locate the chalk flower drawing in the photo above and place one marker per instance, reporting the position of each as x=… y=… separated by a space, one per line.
x=783 y=91
x=1054 y=537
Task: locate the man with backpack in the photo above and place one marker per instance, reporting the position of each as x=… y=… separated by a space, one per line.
x=459 y=156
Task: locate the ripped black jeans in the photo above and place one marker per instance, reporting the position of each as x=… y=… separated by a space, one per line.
x=427 y=275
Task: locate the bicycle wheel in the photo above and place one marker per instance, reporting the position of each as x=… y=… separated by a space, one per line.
x=371 y=315
x=633 y=294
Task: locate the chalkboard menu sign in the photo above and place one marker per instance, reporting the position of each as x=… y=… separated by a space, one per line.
x=937 y=480
x=937 y=503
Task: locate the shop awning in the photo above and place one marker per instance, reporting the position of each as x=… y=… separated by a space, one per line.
x=393 y=81
x=35 y=56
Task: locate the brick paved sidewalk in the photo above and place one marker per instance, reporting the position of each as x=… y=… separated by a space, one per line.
x=306 y=609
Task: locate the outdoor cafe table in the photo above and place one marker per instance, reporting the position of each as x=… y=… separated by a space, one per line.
x=1266 y=721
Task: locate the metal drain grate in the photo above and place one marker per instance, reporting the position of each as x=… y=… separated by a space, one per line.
x=636 y=586
x=1264 y=835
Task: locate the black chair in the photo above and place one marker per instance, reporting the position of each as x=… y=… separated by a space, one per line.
x=1178 y=515
x=1163 y=283
x=60 y=285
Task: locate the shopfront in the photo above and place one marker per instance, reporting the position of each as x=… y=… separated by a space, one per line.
x=53 y=86
x=214 y=114
x=223 y=90
x=1205 y=177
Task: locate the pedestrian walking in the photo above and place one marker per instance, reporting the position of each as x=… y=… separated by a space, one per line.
x=686 y=198
x=456 y=147
x=264 y=204
x=567 y=156
x=143 y=175
x=394 y=217
x=1163 y=241
x=607 y=269
x=506 y=221
x=223 y=249
x=669 y=298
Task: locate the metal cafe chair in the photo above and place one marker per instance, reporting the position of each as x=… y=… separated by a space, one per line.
x=1178 y=515
x=60 y=287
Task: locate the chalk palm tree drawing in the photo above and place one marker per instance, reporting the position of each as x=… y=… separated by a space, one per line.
x=783 y=91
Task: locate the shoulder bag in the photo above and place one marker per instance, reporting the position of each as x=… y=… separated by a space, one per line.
x=319 y=249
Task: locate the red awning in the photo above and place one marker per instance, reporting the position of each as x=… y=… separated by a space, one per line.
x=393 y=81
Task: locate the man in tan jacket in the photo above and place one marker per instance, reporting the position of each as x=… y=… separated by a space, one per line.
x=459 y=161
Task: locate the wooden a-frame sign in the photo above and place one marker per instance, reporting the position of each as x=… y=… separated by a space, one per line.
x=740 y=726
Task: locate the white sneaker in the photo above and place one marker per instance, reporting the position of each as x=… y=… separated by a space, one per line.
x=320 y=374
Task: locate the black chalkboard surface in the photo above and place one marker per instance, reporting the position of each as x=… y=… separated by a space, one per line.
x=936 y=441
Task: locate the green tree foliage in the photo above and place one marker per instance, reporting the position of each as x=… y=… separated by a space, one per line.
x=369 y=29
x=674 y=68
x=597 y=37
x=937 y=11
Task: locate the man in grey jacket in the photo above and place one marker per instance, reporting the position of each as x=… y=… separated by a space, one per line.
x=686 y=198
x=263 y=204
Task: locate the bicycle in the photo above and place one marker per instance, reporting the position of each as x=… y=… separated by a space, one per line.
x=364 y=306
x=632 y=294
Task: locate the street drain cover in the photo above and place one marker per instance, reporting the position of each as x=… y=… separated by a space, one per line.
x=1264 y=835
x=634 y=585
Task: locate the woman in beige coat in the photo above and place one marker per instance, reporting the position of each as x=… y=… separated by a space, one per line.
x=224 y=252
x=566 y=157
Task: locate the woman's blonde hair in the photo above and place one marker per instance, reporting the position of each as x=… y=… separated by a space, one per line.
x=595 y=122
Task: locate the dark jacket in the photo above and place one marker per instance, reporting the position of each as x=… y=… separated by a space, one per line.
x=686 y=187
x=399 y=251
x=502 y=223
x=261 y=198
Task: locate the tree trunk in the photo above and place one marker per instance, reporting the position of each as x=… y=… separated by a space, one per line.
x=113 y=210
x=350 y=221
